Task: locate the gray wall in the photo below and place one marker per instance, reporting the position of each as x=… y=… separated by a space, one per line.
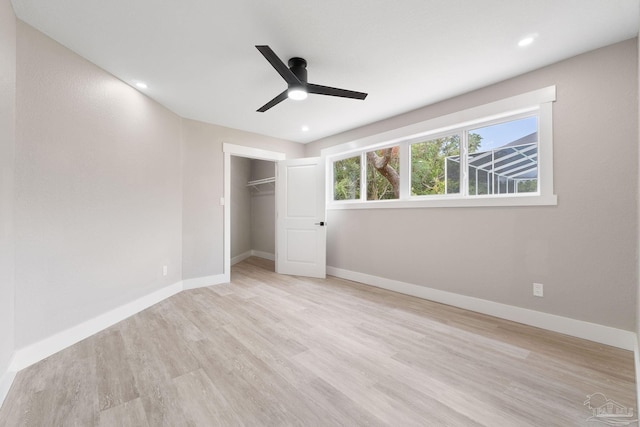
x=98 y=190
x=638 y=244
x=263 y=209
x=240 y=206
x=109 y=187
x=584 y=250
x=203 y=177
x=7 y=147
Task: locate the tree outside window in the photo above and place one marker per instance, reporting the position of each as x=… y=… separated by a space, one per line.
x=383 y=174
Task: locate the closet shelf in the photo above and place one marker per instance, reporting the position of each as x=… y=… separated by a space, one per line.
x=256 y=184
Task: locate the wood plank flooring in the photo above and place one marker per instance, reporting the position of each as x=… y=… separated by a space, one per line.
x=282 y=350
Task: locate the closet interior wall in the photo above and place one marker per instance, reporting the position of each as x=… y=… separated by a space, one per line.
x=252 y=209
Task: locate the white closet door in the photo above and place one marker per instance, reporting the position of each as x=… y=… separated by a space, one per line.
x=301 y=229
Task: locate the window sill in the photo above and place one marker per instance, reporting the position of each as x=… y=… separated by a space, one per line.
x=449 y=202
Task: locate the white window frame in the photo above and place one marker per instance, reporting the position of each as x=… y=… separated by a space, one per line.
x=538 y=101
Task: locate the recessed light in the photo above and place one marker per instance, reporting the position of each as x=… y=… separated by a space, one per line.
x=305 y=128
x=141 y=85
x=526 y=41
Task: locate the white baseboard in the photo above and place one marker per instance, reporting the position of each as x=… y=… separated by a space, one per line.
x=565 y=325
x=239 y=258
x=5 y=384
x=35 y=352
x=203 y=282
x=265 y=255
x=260 y=254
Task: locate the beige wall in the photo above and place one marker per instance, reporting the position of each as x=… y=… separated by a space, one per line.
x=584 y=250
x=7 y=149
x=637 y=330
x=203 y=177
x=98 y=190
x=638 y=249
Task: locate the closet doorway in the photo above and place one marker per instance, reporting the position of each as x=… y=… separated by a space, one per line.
x=253 y=209
x=242 y=180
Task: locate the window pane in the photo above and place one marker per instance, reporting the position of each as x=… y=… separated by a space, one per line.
x=383 y=174
x=504 y=157
x=484 y=181
x=435 y=166
x=346 y=179
x=527 y=186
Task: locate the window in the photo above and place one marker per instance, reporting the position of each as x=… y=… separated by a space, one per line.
x=383 y=174
x=484 y=156
x=503 y=158
x=346 y=178
x=435 y=166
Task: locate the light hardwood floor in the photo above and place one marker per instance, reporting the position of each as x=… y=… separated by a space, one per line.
x=281 y=350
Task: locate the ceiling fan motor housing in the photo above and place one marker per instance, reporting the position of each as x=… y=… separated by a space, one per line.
x=298 y=66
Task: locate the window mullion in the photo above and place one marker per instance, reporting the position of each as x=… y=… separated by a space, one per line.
x=363 y=175
x=464 y=164
x=405 y=171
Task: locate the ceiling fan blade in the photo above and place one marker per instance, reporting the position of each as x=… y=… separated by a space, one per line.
x=275 y=101
x=334 y=91
x=280 y=67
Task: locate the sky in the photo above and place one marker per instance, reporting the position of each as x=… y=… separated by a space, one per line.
x=504 y=133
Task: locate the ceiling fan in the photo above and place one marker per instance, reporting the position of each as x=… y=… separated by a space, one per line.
x=296 y=77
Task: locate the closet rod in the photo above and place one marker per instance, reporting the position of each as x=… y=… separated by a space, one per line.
x=260 y=181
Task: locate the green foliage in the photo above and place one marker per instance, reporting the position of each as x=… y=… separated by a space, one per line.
x=475 y=141
x=529 y=186
x=346 y=179
x=428 y=164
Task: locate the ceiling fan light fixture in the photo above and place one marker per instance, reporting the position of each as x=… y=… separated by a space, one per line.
x=297 y=93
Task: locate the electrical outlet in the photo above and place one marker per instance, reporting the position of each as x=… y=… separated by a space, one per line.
x=164 y=270
x=538 y=290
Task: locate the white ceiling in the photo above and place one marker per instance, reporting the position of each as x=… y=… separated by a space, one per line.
x=199 y=60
